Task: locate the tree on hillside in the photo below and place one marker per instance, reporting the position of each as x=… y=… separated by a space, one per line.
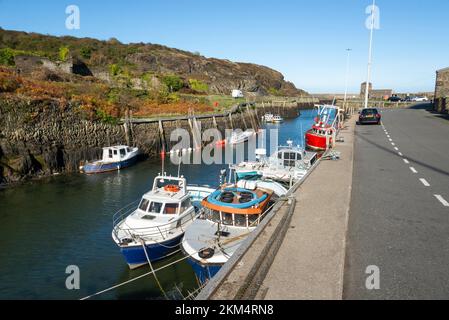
x=173 y=82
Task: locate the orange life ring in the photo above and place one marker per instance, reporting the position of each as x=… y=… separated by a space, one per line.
x=171 y=188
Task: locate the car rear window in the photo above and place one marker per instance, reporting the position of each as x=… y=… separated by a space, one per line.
x=369 y=111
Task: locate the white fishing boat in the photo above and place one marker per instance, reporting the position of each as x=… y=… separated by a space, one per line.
x=277 y=119
x=113 y=159
x=153 y=230
x=267 y=117
x=270 y=118
x=288 y=165
x=240 y=137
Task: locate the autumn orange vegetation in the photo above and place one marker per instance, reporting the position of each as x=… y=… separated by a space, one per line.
x=92 y=98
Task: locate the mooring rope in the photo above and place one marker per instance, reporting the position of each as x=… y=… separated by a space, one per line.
x=152 y=270
x=138 y=277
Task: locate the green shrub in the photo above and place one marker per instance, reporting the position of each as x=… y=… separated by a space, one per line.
x=86 y=52
x=173 y=97
x=114 y=70
x=63 y=53
x=198 y=85
x=7 y=56
x=173 y=82
x=105 y=118
x=274 y=92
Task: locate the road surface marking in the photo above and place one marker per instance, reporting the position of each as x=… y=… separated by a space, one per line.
x=396 y=148
x=391 y=140
x=406 y=161
x=393 y=144
x=442 y=200
x=424 y=182
x=413 y=170
x=400 y=154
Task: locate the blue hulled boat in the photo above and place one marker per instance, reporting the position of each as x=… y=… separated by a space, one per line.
x=154 y=230
x=114 y=158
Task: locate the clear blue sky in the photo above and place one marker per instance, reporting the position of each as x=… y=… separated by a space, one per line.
x=305 y=40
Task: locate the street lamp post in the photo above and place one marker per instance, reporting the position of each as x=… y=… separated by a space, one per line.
x=370 y=55
x=347 y=76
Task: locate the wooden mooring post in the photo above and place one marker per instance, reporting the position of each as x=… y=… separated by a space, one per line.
x=162 y=137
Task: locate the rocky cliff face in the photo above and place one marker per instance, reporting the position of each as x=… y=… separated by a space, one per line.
x=94 y=57
x=44 y=137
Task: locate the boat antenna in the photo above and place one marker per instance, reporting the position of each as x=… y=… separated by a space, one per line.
x=179 y=167
x=370 y=54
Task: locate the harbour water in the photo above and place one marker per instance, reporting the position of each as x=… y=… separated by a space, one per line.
x=65 y=220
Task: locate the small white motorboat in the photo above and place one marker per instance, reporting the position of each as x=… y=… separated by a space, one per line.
x=288 y=165
x=153 y=230
x=240 y=137
x=114 y=158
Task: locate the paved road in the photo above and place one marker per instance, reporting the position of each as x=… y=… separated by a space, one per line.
x=396 y=220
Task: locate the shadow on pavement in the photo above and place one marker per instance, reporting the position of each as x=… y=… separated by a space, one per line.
x=435 y=169
x=429 y=108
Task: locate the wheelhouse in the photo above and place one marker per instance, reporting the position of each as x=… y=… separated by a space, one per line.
x=150 y=209
x=233 y=219
x=117 y=153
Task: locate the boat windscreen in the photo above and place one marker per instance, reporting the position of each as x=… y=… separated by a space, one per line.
x=155 y=207
x=144 y=204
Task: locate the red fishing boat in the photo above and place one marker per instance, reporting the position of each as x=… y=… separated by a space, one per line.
x=323 y=133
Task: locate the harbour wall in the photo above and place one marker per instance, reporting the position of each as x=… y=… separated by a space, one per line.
x=42 y=138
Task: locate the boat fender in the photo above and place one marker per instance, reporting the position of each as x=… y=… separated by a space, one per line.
x=206 y=253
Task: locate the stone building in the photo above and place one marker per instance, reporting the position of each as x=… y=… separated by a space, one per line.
x=375 y=94
x=442 y=91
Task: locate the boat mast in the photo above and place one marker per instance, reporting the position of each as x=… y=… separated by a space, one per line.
x=370 y=55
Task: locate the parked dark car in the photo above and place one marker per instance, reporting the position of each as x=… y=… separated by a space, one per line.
x=370 y=116
x=408 y=99
x=394 y=99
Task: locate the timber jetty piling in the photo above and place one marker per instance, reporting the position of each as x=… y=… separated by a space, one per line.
x=153 y=134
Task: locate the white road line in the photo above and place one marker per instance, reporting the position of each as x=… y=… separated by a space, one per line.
x=400 y=154
x=393 y=144
x=413 y=170
x=424 y=182
x=396 y=148
x=442 y=200
x=406 y=161
x=391 y=140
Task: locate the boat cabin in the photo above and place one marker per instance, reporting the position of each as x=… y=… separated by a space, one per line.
x=289 y=155
x=237 y=207
x=169 y=197
x=116 y=153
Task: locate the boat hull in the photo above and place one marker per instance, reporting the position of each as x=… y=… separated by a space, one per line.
x=135 y=255
x=316 y=142
x=204 y=272
x=109 y=167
